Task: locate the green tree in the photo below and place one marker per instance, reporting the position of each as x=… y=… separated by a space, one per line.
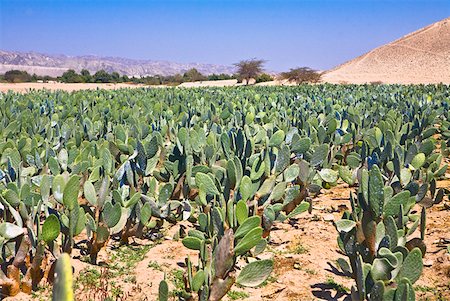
x=70 y=76
x=193 y=75
x=221 y=76
x=102 y=76
x=302 y=75
x=17 y=76
x=115 y=77
x=87 y=77
x=264 y=77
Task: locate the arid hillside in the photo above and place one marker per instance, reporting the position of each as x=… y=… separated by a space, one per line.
x=55 y=65
x=419 y=57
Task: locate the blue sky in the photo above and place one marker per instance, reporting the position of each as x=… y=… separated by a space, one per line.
x=316 y=33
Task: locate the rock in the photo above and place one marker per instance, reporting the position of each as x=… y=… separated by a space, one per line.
x=328 y=217
x=428 y=263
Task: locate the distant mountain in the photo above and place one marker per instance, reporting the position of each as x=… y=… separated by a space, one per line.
x=55 y=65
x=419 y=57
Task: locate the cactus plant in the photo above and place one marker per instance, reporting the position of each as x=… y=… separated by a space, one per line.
x=63 y=286
x=374 y=236
x=221 y=159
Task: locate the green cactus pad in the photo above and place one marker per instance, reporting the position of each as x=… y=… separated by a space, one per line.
x=412 y=266
x=50 y=229
x=250 y=240
x=255 y=273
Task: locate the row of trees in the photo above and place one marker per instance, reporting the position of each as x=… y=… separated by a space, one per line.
x=252 y=69
x=248 y=71
x=101 y=76
x=192 y=75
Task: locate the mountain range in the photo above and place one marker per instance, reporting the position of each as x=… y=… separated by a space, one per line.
x=55 y=65
x=422 y=56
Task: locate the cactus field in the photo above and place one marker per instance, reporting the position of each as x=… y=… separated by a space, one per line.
x=310 y=192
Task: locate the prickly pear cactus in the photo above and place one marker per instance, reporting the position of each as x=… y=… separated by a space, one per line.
x=374 y=236
x=63 y=286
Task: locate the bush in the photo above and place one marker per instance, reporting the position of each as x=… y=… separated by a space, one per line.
x=87 y=77
x=102 y=76
x=70 y=76
x=221 y=76
x=193 y=75
x=17 y=76
x=302 y=75
x=264 y=77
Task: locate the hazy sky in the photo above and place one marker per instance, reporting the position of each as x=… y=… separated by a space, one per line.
x=315 y=33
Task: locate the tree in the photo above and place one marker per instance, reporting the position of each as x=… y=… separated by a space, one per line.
x=101 y=76
x=115 y=77
x=87 y=77
x=125 y=78
x=264 y=77
x=17 y=76
x=193 y=75
x=302 y=75
x=249 y=69
x=221 y=76
x=70 y=76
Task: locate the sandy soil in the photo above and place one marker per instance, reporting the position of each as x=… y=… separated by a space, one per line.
x=304 y=250
x=420 y=57
x=24 y=87
x=210 y=83
x=233 y=83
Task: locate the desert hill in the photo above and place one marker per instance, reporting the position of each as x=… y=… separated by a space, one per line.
x=419 y=57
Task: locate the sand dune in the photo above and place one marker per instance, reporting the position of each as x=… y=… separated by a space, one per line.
x=419 y=57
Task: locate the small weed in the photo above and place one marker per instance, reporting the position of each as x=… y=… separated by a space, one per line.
x=126 y=258
x=177 y=279
x=38 y=294
x=300 y=249
x=274 y=251
x=236 y=295
x=298 y=266
x=423 y=288
x=315 y=218
x=130 y=279
x=89 y=278
x=94 y=283
x=116 y=291
x=154 y=265
x=439 y=293
x=310 y=271
x=336 y=286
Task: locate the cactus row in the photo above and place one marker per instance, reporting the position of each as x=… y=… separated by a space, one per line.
x=113 y=165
